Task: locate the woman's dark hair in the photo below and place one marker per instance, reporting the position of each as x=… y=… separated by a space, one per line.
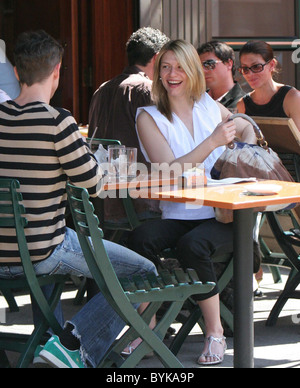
x=260 y=48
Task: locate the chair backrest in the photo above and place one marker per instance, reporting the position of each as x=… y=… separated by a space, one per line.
x=12 y=216
x=11 y=213
x=91 y=241
x=283 y=137
x=281 y=134
x=94 y=143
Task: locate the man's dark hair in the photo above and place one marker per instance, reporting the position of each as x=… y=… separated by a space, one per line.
x=221 y=51
x=144 y=44
x=36 y=54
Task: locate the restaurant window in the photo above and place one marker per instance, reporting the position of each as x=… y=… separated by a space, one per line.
x=253 y=18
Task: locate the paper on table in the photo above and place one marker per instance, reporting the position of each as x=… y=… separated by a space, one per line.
x=228 y=181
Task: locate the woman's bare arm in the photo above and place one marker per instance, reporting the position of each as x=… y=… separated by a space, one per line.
x=244 y=130
x=159 y=150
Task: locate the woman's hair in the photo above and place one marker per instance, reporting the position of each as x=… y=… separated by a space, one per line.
x=260 y=48
x=189 y=61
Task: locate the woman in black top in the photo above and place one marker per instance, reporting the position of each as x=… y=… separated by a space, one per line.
x=268 y=98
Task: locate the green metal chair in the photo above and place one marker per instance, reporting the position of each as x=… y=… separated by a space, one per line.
x=191 y=313
x=270 y=258
x=11 y=216
x=194 y=312
x=113 y=230
x=287 y=240
x=121 y=294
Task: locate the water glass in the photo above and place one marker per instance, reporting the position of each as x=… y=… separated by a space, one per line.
x=131 y=154
x=117 y=160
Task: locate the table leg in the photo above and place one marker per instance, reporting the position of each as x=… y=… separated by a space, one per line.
x=243 y=289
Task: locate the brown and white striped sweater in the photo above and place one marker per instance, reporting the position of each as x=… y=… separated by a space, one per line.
x=42 y=147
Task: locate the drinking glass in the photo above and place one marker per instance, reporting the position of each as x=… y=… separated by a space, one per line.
x=117 y=160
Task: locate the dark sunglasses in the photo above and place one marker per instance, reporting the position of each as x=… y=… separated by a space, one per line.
x=210 y=64
x=258 y=68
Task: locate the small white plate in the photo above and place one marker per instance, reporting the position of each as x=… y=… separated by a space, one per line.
x=263 y=189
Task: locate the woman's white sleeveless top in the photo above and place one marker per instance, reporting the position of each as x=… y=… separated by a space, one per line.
x=206 y=116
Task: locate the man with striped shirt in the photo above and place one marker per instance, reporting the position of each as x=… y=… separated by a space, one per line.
x=42 y=147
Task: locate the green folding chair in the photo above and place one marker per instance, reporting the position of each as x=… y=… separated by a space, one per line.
x=191 y=313
x=11 y=216
x=122 y=294
x=113 y=230
x=289 y=243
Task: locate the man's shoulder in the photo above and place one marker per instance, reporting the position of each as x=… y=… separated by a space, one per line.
x=131 y=77
x=233 y=96
x=57 y=113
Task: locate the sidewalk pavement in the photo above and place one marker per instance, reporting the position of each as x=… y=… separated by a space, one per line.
x=275 y=347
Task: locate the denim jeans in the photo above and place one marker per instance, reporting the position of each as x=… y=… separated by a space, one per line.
x=96 y=324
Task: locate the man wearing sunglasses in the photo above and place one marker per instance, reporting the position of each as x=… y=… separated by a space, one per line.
x=218 y=61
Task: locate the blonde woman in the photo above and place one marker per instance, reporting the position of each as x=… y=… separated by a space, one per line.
x=187 y=126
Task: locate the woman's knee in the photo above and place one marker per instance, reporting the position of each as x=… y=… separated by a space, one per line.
x=189 y=246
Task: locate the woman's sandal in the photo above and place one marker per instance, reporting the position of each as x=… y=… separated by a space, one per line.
x=130 y=348
x=218 y=357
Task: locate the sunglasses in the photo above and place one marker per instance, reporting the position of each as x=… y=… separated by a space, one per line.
x=210 y=64
x=258 y=68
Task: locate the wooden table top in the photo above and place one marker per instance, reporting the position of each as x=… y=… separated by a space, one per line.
x=148 y=181
x=227 y=196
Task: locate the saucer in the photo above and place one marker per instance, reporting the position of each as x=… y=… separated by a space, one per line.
x=263 y=189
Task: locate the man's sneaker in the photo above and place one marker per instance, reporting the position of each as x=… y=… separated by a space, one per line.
x=60 y=357
x=38 y=362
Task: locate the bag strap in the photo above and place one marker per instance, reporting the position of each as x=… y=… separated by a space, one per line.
x=261 y=141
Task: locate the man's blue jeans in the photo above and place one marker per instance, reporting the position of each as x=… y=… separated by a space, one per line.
x=96 y=324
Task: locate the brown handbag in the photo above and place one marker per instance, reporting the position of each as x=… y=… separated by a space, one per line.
x=243 y=160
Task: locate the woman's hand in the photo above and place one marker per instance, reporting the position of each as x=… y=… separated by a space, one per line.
x=224 y=133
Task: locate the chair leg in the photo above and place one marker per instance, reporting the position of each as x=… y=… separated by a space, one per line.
x=168 y=359
x=34 y=340
x=227 y=315
x=152 y=339
x=78 y=300
x=4 y=363
x=275 y=271
x=113 y=355
x=291 y=285
x=185 y=330
x=10 y=299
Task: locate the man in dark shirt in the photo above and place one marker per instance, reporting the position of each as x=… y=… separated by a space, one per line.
x=218 y=60
x=114 y=105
